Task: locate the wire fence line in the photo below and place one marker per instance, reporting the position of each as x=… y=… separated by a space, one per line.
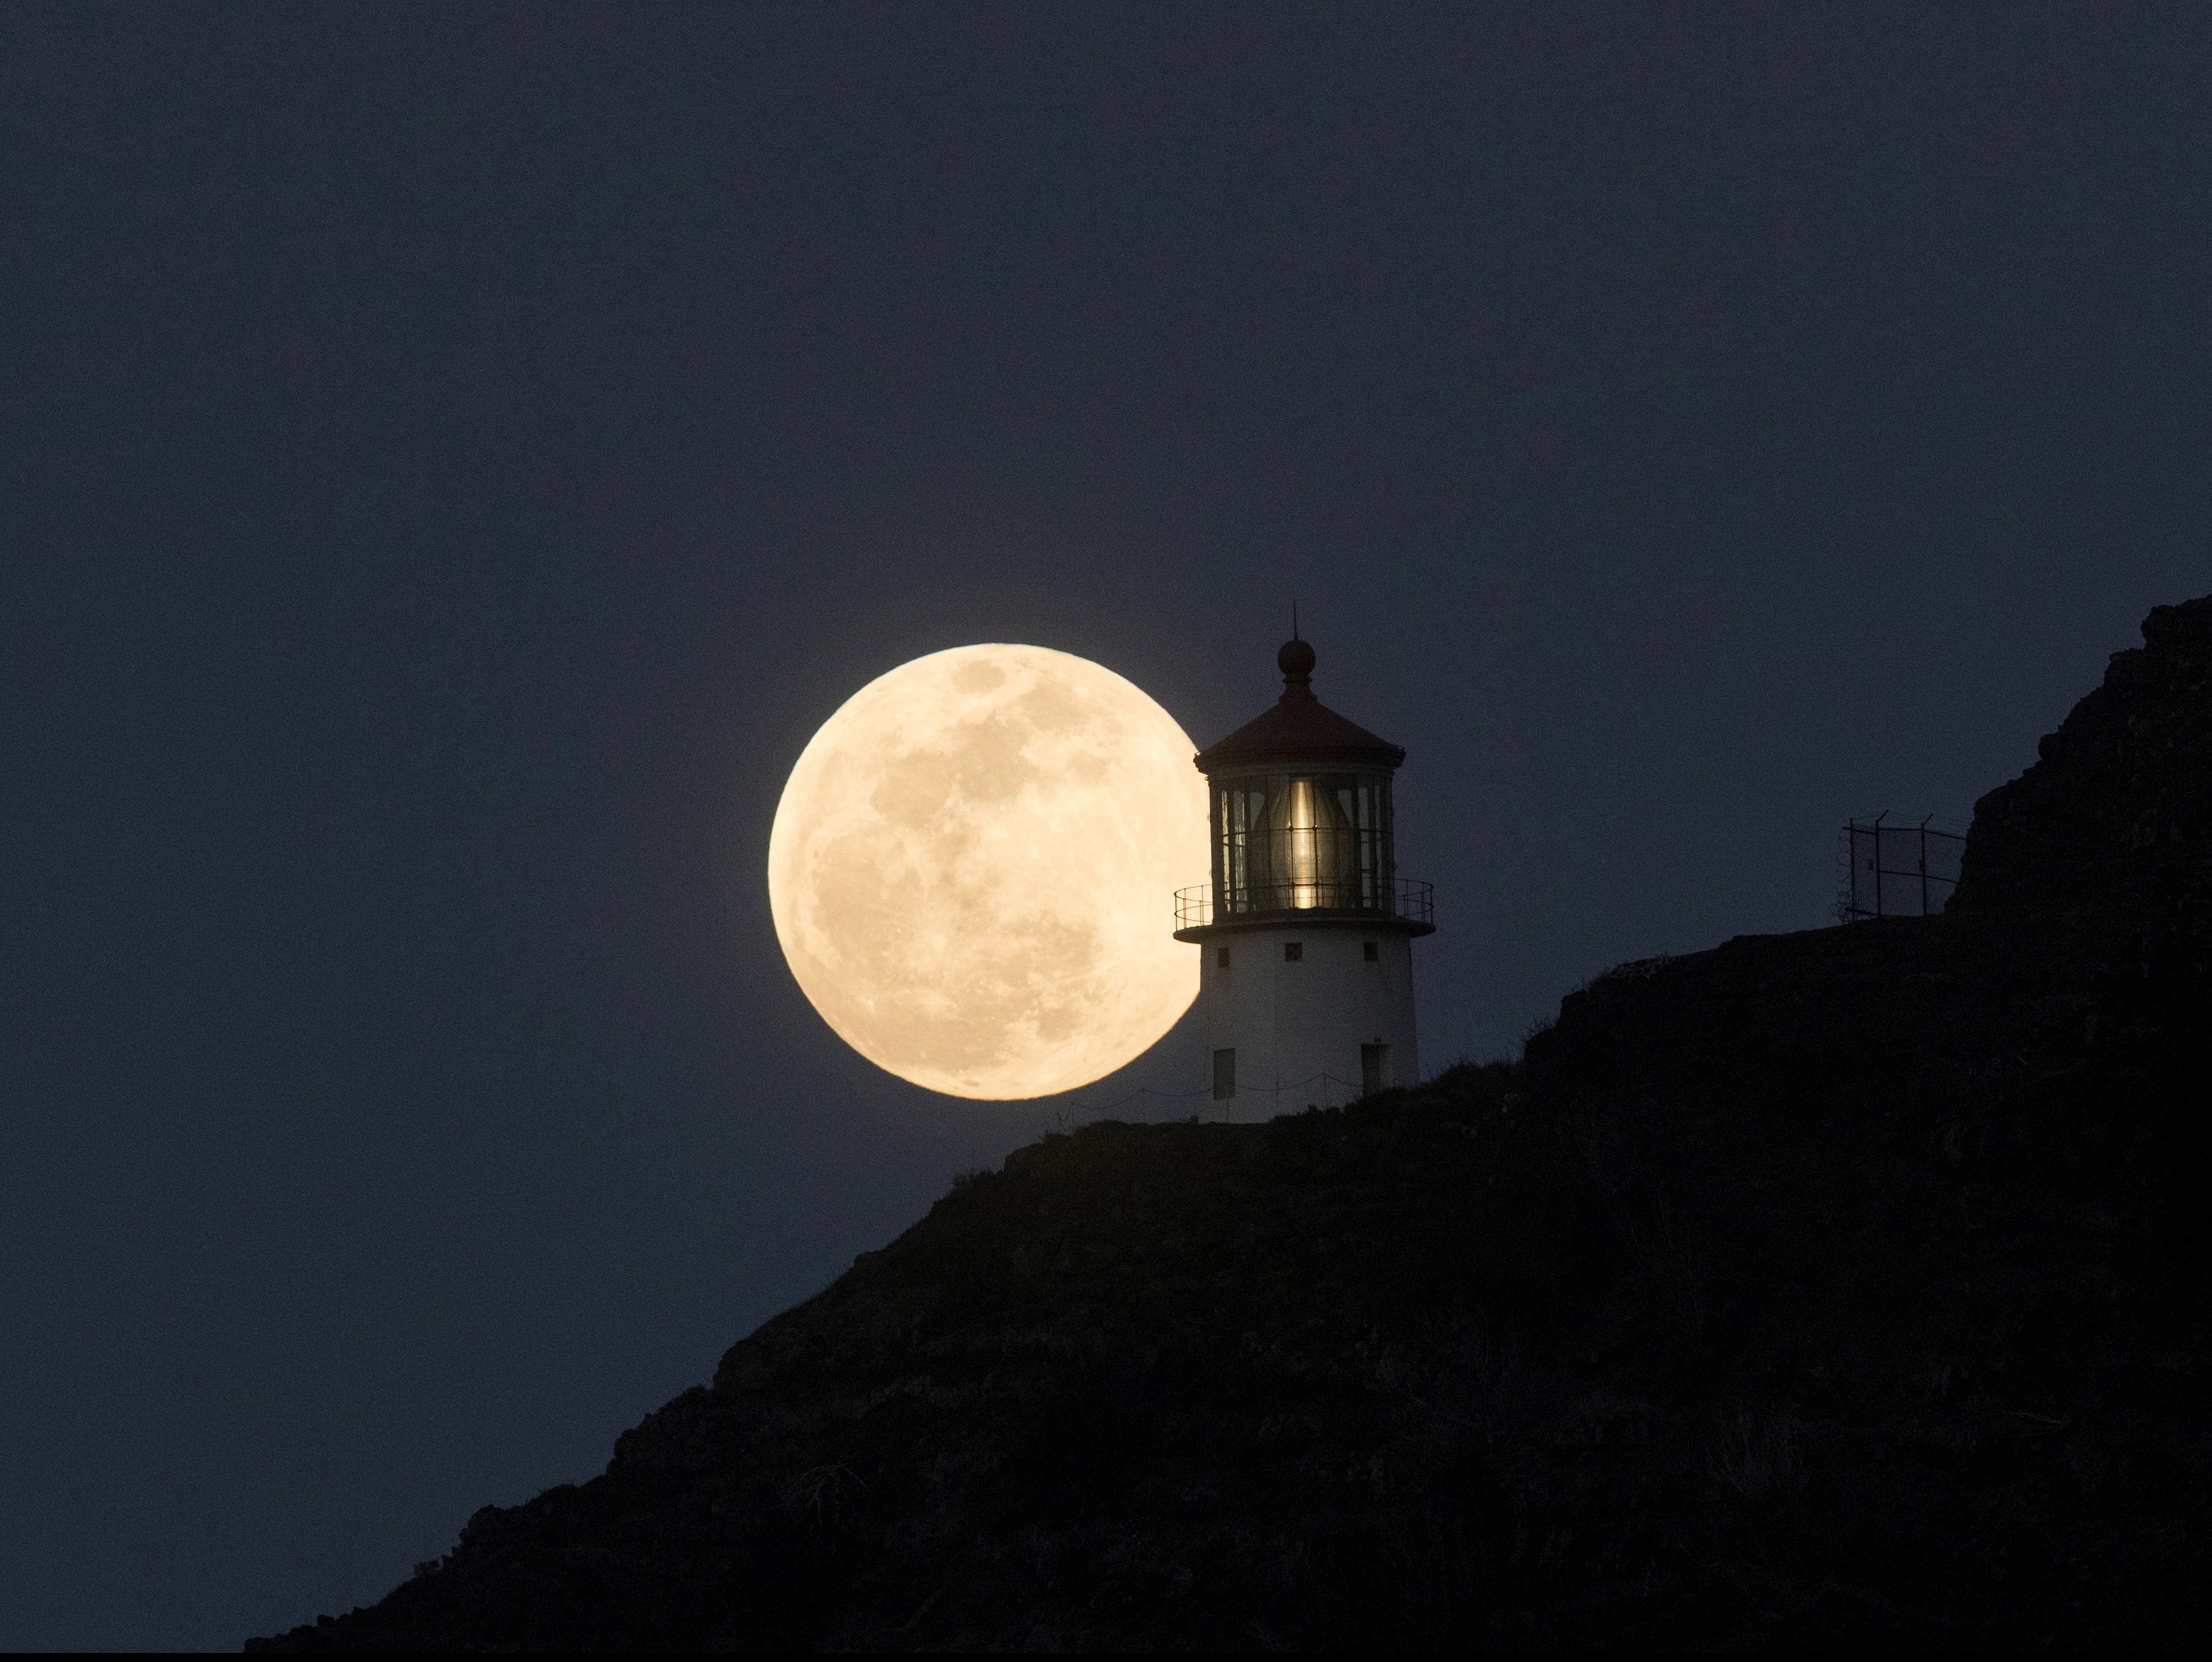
x=1920 y=862
x=1090 y=1112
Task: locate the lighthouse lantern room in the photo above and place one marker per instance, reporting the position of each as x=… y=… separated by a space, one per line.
x=1306 y=983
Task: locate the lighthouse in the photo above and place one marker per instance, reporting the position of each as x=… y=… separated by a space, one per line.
x=1306 y=980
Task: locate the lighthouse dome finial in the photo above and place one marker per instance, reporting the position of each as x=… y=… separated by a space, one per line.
x=1299 y=730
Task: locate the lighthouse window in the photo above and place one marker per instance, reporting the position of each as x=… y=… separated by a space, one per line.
x=1224 y=1074
x=1294 y=952
x=1221 y=957
x=1239 y=811
x=1372 y=950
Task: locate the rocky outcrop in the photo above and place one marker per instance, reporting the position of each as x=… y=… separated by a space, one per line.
x=1843 y=1288
x=2116 y=811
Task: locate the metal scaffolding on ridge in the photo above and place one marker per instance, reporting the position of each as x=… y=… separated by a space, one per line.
x=1896 y=871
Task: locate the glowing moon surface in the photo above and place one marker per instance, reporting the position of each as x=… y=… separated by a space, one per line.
x=974 y=866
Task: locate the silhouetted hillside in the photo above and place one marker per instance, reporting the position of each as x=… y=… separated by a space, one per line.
x=1842 y=1287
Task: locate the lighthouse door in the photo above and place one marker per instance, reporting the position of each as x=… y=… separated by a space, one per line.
x=1370 y=1068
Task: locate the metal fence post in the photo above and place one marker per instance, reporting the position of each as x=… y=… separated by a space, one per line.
x=1878 y=818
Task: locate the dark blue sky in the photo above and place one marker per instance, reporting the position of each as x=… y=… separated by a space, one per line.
x=451 y=458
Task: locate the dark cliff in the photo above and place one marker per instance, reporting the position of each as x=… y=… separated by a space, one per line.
x=2116 y=814
x=1844 y=1287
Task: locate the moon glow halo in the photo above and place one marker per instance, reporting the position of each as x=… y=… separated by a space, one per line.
x=973 y=867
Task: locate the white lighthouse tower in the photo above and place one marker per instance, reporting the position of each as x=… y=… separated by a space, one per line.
x=1307 y=981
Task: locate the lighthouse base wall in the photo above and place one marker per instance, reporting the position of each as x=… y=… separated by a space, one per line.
x=1311 y=1020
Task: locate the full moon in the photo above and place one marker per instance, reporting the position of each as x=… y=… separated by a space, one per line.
x=974 y=866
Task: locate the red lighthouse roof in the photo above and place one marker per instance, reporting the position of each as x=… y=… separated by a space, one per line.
x=1299 y=730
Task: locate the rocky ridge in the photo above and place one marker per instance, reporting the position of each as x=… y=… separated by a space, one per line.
x=1836 y=1288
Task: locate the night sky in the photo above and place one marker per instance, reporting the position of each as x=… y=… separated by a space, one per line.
x=451 y=459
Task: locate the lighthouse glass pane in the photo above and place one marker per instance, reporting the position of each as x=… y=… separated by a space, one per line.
x=1372 y=817
x=1236 y=809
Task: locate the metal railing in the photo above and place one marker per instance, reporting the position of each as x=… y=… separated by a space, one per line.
x=1410 y=900
x=1896 y=871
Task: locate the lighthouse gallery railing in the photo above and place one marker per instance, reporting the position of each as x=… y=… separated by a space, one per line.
x=1412 y=900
